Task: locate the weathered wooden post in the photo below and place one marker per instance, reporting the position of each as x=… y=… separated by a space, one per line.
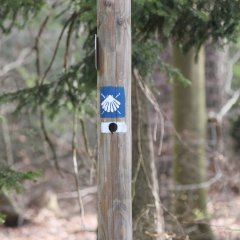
x=114 y=119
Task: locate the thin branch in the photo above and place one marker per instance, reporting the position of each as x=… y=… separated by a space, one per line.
x=36 y=47
x=195 y=186
x=147 y=92
x=85 y=230
x=155 y=128
x=153 y=101
x=84 y=192
x=24 y=54
x=90 y=154
x=231 y=62
x=49 y=142
x=56 y=48
x=140 y=157
x=85 y=139
x=75 y=163
x=65 y=64
x=228 y=106
x=151 y=180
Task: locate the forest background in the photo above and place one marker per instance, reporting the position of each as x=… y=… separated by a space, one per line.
x=185 y=133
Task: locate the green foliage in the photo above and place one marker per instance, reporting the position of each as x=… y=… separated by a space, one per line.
x=144 y=55
x=198 y=21
x=77 y=84
x=15 y=13
x=189 y=22
x=69 y=91
x=174 y=73
x=12 y=180
x=2 y=218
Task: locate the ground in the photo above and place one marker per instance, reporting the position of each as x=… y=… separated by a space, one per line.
x=65 y=222
x=48 y=226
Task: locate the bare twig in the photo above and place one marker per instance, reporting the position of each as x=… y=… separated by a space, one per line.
x=228 y=106
x=36 y=47
x=85 y=139
x=149 y=176
x=85 y=230
x=84 y=192
x=140 y=157
x=147 y=92
x=175 y=219
x=56 y=48
x=75 y=164
x=153 y=101
x=191 y=187
x=49 y=142
x=70 y=29
x=24 y=54
x=90 y=154
x=231 y=62
x=155 y=128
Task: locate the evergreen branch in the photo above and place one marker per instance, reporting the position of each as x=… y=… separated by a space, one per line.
x=26 y=96
x=174 y=73
x=12 y=180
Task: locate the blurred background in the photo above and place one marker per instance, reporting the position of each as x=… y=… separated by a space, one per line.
x=186 y=120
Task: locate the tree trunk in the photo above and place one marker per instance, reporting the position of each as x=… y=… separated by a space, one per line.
x=189 y=167
x=216 y=66
x=147 y=216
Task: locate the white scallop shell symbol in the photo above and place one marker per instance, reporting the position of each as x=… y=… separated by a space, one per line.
x=110 y=104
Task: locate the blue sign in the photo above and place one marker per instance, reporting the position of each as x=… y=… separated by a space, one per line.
x=112 y=102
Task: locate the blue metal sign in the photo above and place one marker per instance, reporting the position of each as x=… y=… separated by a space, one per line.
x=112 y=102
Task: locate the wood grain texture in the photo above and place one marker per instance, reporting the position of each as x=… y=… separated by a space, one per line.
x=114 y=150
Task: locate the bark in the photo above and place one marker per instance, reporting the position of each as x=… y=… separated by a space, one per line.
x=189 y=165
x=147 y=216
x=216 y=65
x=114 y=150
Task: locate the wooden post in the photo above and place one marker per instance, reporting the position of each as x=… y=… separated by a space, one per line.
x=114 y=120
